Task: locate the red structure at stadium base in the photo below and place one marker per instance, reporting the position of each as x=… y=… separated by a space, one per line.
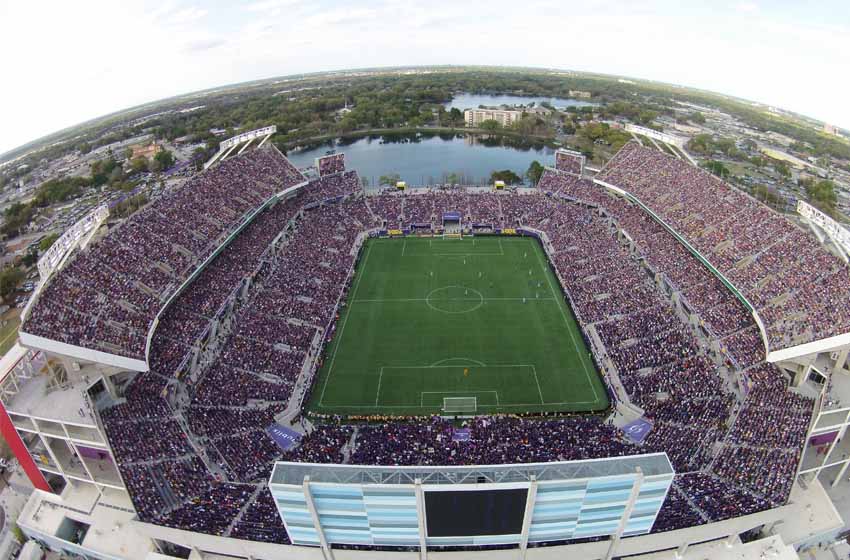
x=10 y=434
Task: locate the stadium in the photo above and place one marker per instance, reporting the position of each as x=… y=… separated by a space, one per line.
x=275 y=361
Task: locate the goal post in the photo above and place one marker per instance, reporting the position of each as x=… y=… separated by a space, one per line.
x=457 y=405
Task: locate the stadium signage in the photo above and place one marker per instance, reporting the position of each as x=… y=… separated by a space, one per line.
x=637 y=430
x=53 y=256
x=421 y=506
x=655 y=135
x=246 y=136
x=285 y=438
x=836 y=233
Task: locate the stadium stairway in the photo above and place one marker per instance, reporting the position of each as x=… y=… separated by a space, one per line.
x=248 y=503
x=348 y=448
x=164 y=489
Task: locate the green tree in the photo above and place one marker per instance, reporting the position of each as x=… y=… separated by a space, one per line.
x=456 y=117
x=593 y=131
x=10 y=277
x=389 y=180
x=490 y=125
x=116 y=175
x=139 y=165
x=101 y=171
x=162 y=161
x=822 y=195
x=700 y=144
x=535 y=171
x=17 y=217
x=696 y=117
x=782 y=168
x=717 y=168
x=45 y=243
x=506 y=175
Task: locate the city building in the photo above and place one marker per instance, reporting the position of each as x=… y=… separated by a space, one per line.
x=505 y=117
x=146 y=150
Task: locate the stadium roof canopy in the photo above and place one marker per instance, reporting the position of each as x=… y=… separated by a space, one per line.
x=652 y=464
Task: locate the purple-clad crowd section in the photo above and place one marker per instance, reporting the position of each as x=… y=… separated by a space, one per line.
x=569 y=162
x=107 y=298
x=194 y=449
x=762 y=253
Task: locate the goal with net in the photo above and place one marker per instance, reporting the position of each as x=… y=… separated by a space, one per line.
x=460 y=405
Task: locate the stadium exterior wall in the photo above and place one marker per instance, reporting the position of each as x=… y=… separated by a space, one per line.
x=643 y=544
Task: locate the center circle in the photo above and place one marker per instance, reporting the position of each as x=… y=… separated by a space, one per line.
x=454 y=299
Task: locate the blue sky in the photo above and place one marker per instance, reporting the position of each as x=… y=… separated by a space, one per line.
x=66 y=62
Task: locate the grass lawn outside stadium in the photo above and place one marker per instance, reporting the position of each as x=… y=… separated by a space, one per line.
x=429 y=318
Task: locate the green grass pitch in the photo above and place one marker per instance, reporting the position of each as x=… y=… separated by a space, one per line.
x=429 y=318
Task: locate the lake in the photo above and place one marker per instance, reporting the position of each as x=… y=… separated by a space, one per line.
x=428 y=160
x=471 y=101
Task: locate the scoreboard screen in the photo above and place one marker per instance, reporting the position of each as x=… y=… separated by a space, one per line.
x=475 y=513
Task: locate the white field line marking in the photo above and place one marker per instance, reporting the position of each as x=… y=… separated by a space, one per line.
x=403 y=246
x=458 y=255
x=547 y=273
x=423 y=393
x=408 y=406
x=344 y=322
x=407 y=300
x=441 y=362
x=447 y=367
x=536 y=380
x=435 y=366
x=378 y=392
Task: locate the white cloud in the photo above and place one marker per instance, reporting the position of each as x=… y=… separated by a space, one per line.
x=270 y=7
x=100 y=56
x=187 y=15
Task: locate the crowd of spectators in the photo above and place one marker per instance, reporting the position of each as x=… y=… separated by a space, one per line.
x=764 y=254
x=295 y=283
x=493 y=440
x=569 y=162
x=109 y=295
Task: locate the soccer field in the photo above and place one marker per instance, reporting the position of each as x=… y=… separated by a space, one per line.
x=430 y=318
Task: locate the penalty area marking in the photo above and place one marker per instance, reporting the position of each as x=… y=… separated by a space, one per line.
x=431 y=248
x=528 y=299
x=441 y=362
x=423 y=393
x=435 y=366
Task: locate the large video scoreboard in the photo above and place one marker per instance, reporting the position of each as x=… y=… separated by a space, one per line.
x=324 y=504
